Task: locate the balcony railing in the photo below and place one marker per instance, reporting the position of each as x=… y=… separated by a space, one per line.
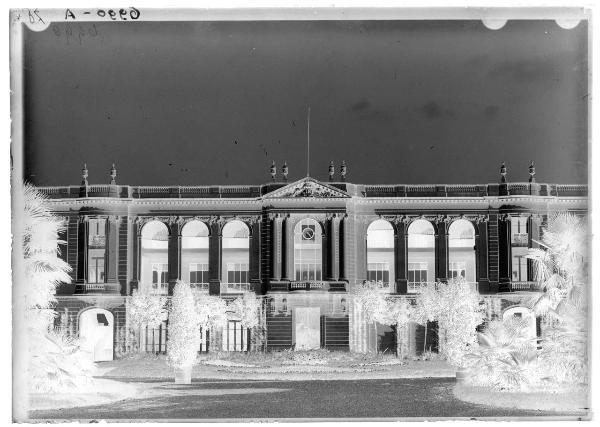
x=524 y=286
x=95 y=287
x=520 y=240
x=238 y=287
x=307 y=285
x=415 y=287
x=97 y=241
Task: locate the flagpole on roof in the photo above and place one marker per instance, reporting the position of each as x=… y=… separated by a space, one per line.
x=308 y=143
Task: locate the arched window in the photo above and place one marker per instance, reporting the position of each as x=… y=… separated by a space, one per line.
x=236 y=256
x=194 y=255
x=421 y=254
x=461 y=251
x=380 y=252
x=155 y=258
x=308 y=241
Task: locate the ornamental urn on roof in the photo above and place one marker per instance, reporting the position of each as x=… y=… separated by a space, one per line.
x=284 y=171
x=113 y=175
x=503 y=173
x=532 y=172
x=84 y=175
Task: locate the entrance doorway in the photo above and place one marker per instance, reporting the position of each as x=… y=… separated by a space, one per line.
x=96 y=332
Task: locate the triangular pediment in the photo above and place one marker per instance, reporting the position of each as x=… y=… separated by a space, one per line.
x=307 y=187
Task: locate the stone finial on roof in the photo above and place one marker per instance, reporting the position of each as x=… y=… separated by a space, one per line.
x=343 y=170
x=285 y=171
x=113 y=175
x=532 y=172
x=84 y=175
x=331 y=170
x=503 y=172
x=273 y=171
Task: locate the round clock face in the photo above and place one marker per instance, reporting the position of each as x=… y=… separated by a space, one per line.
x=308 y=233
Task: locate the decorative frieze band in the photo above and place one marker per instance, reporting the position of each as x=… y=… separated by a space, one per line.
x=437 y=219
x=207 y=219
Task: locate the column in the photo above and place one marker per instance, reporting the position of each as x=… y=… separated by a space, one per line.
x=112 y=249
x=82 y=243
x=533 y=230
x=136 y=258
x=215 y=243
x=504 y=252
x=174 y=253
x=441 y=250
x=401 y=256
x=342 y=246
x=332 y=248
x=276 y=246
x=254 y=266
x=481 y=255
x=324 y=252
x=287 y=250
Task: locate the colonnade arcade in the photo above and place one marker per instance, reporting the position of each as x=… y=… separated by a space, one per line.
x=212 y=253
x=403 y=252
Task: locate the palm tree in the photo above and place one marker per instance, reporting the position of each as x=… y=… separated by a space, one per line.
x=54 y=361
x=561 y=269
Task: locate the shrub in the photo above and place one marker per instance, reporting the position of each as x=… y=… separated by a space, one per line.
x=145 y=309
x=184 y=336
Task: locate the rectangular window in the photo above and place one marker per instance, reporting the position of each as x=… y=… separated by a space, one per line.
x=308 y=272
x=458 y=270
x=417 y=274
x=96 y=270
x=97 y=233
x=160 y=278
x=379 y=272
x=518 y=231
x=199 y=276
x=96 y=250
x=519 y=268
x=237 y=277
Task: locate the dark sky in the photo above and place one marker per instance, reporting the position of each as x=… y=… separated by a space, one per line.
x=194 y=103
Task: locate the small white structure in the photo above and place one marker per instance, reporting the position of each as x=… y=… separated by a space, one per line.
x=527 y=315
x=307 y=328
x=96 y=332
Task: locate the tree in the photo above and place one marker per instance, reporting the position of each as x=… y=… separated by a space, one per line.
x=561 y=268
x=371 y=299
x=53 y=361
x=211 y=311
x=248 y=309
x=184 y=334
x=460 y=312
x=427 y=307
x=146 y=309
x=402 y=313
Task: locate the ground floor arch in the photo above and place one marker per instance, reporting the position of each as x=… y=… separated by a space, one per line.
x=96 y=331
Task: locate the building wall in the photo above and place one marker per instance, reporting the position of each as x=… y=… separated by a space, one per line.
x=363 y=205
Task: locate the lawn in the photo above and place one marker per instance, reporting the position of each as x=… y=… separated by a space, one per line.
x=575 y=400
x=282 y=365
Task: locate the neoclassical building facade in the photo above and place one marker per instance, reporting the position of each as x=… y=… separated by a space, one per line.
x=301 y=245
